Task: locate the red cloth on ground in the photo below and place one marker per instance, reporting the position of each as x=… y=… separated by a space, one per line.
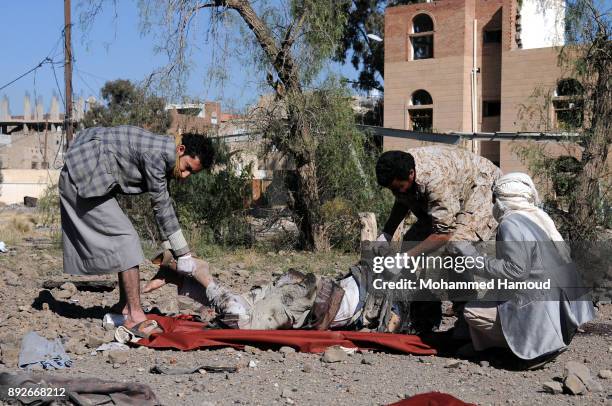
x=431 y=399
x=183 y=334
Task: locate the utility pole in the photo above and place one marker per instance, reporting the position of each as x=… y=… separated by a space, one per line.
x=68 y=73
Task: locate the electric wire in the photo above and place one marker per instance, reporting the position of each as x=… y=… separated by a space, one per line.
x=41 y=63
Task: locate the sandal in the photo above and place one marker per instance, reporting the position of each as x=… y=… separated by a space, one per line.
x=137 y=332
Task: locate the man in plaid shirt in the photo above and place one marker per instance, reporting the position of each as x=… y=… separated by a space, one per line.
x=98 y=237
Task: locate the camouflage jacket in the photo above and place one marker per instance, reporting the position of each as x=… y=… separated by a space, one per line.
x=452 y=192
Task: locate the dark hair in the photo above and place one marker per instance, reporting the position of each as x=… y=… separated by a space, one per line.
x=200 y=146
x=393 y=165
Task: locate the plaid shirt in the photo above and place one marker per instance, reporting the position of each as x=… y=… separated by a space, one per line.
x=135 y=161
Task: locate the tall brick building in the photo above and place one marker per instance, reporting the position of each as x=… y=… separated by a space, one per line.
x=431 y=50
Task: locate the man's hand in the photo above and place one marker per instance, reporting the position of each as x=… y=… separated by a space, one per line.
x=185 y=265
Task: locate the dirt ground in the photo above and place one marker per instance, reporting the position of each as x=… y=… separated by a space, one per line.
x=274 y=377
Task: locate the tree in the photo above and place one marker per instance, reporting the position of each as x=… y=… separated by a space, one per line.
x=290 y=43
x=126 y=103
x=364 y=17
x=582 y=186
x=365 y=54
x=589 y=30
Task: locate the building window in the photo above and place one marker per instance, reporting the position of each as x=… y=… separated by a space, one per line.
x=491 y=108
x=421 y=98
x=420 y=112
x=567 y=104
x=492 y=37
x=422 y=37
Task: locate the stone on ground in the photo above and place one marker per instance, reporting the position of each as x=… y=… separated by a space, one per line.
x=334 y=354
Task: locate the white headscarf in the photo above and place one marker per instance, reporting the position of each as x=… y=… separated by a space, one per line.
x=516 y=193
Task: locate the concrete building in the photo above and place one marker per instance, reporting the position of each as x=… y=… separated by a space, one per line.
x=31 y=149
x=197 y=117
x=477 y=66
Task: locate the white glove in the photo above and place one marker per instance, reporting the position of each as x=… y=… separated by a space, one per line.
x=185 y=265
x=384 y=237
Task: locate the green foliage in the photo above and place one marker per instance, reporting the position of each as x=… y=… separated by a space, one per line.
x=322 y=29
x=366 y=17
x=48 y=207
x=126 y=103
x=558 y=176
x=289 y=43
x=212 y=206
x=578 y=195
x=345 y=158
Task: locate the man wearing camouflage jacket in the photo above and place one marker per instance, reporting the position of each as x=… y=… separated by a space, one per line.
x=449 y=191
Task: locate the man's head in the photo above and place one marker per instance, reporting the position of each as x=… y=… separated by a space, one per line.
x=395 y=170
x=196 y=152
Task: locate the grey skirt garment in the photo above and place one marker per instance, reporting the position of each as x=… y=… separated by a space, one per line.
x=97 y=236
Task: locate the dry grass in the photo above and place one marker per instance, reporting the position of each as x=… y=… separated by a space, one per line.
x=266 y=262
x=15 y=227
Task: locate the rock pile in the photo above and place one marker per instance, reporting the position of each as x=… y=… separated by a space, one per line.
x=576 y=380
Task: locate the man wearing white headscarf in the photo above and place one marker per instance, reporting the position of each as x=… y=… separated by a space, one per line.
x=533 y=324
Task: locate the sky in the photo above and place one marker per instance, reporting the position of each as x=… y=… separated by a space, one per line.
x=111 y=48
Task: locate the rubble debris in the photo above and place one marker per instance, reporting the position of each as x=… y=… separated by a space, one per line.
x=578 y=369
x=577 y=379
x=455 y=363
x=251 y=350
x=94 y=342
x=118 y=357
x=89 y=285
x=114 y=346
x=553 y=387
x=334 y=353
x=605 y=374
x=574 y=385
x=10 y=354
x=286 y=350
x=159 y=369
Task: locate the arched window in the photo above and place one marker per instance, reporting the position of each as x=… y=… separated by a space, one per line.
x=422 y=23
x=422 y=37
x=420 y=98
x=420 y=112
x=568 y=87
x=568 y=104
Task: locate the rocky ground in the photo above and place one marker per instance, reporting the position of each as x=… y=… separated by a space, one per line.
x=263 y=377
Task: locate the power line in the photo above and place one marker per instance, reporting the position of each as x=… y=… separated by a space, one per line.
x=86 y=84
x=41 y=63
